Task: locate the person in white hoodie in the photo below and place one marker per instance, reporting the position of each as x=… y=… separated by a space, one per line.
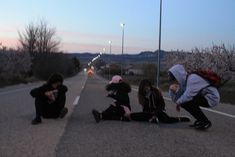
x=190 y=91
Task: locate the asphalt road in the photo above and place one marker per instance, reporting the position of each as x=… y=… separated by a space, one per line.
x=85 y=138
x=77 y=135
x=18 y=138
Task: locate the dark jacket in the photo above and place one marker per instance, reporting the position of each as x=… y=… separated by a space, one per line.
x=120 y=93
x=154 y=102
x=40 y=91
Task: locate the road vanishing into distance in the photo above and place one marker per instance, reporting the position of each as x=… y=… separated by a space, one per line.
x=78 y=135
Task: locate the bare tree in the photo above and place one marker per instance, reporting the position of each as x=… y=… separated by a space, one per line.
x=39 y=38
x=28 y=38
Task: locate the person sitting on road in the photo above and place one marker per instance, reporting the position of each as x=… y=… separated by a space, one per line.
x=153 y=104
x=118 y=90
x=50 y=99
x=190 y=91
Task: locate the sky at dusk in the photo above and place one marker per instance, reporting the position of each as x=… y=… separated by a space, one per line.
x=88 y=25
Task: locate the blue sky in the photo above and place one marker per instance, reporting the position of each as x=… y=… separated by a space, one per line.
x=88 y=25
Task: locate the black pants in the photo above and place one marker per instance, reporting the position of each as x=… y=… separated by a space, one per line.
x=145 y=116
x=113 y=113
x=193 y=107
x=49 y=110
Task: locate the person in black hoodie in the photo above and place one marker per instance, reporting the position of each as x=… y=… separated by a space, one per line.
x=153 y=104
x=50 y=99
x=118 y=90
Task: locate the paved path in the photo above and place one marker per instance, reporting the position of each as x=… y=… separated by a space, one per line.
x=84 y=138
x=18 y=138
x=77 y=135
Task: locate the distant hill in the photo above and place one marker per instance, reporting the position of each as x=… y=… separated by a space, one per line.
x=142 y=57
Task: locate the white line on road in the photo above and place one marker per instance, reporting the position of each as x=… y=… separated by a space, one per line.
x=218 y=112
x=207 y=109
x=76 y=100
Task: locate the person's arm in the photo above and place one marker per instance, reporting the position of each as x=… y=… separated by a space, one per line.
x=62 y=89
x=122 y=99
x=112 y=96
x=194 y=85
x=174 y=92
x=38 y=92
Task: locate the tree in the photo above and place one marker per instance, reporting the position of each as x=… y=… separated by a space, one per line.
x=39 y=38
x=217 y=58
x=14 y=67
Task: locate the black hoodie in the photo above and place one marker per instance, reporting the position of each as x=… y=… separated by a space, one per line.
x=120 y=93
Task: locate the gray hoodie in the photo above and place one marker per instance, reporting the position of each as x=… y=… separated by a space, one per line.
x=191 y=86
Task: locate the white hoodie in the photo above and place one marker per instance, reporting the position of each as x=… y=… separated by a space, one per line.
x=191 y=86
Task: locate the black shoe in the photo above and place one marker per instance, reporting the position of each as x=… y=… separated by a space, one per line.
x=184 y=119
x=36 y=121
x=63 y=112
x=96 y=115
x=203 y=125
x=195 y=124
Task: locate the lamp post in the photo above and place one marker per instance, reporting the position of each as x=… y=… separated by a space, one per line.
x=159 y=45
x=105 y=69
x=110 y=46
x=122 y=25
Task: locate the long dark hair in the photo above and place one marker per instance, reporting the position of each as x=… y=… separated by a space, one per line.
x=141 y=91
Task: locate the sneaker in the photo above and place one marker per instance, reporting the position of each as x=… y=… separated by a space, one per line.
x=36 y=121
x=154 y=119
x=96 y=115
x=184 y=119
x=63 y=112
x=195 y=124
x=203 y=125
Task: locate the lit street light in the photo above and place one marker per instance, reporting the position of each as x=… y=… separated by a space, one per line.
x=110 y=45
x=122 y=25
x=159 y=44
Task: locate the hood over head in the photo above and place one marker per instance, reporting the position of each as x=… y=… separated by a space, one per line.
x=179 y=73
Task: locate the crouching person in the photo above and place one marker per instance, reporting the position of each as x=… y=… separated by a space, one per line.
x=50 y=99
x=190 y=91
x=120 y=108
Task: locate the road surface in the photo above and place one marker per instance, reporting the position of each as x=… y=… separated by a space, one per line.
x=79 y=136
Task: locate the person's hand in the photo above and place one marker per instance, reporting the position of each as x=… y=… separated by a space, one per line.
x=178 y=107
x=174 y=87
x=50 y=95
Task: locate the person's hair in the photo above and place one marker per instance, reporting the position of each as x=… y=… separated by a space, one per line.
x=141 y=91
x=54 y=78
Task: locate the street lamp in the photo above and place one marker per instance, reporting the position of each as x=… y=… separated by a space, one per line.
x=110 y=44
x=122 y=25
x=159 y=45
x=104 y=50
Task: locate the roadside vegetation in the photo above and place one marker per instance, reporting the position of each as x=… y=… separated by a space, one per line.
x=37 y=56
x=219 y=59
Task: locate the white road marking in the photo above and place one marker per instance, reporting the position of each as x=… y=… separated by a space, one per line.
x=76 y=100
x=207 y=109
x=218 y=112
